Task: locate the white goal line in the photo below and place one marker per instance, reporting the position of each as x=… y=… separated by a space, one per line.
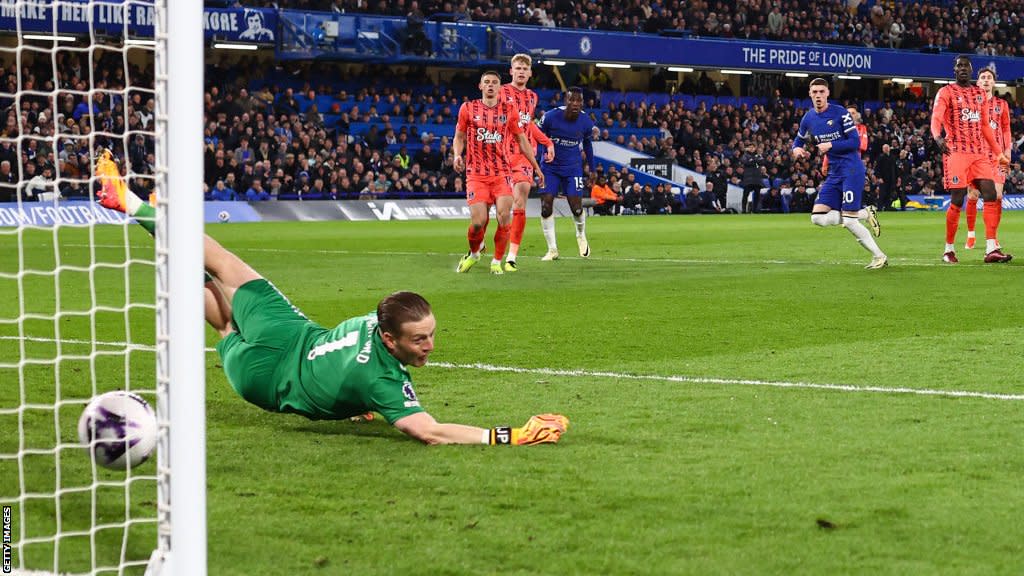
x=573 y=373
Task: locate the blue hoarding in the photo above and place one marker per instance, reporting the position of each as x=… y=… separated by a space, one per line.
x=592 y=45
x=256 y=25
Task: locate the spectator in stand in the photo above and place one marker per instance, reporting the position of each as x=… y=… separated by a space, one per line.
x=606 y=200
x=256 y=192
x=221 y=193
x=709 y=200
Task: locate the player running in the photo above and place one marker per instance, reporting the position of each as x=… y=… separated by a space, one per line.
x=960 y=110
x=571 y=131
x=278 y=359
x=483 y=131
x=999 y=119
x=830 y=128
x=525 y=100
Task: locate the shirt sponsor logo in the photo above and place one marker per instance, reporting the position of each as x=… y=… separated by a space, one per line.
x=487 y=137
x=968 y=115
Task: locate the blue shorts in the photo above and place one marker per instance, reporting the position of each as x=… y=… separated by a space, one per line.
x=569 y=183
x=842 y=189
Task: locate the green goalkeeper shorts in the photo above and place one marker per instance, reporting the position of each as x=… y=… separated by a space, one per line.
x=264 y=348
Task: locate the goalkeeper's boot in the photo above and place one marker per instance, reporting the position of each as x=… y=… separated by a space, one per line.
x=878 y=262
x=584 y=246
x=971 y=240
x=368 y=417
x=510 y=266
x=876 y=227
x=496 y=268
x=467 y=262
x=551 y=255
x=113 y=191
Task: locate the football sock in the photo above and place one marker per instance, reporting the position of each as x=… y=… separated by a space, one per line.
x=991 y=218
x=144 y=214
x=581 y=223
x=952 y=222
x=863 y=235
x=862 y=214
x=475 y=238
x=950 y=247
x=991 y=245
x=501 y=241
x=547 y=226
x=972 y=215
x=999 y=217
x=516 y=235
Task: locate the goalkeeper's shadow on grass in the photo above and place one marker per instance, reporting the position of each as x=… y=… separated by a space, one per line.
x=345 y=428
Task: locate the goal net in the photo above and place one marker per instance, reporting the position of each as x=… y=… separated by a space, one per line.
x=88 y=299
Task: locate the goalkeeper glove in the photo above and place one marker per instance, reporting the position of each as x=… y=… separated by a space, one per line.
x=540 y=429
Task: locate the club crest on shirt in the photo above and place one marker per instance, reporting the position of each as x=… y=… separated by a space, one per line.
x=979 y=99
x=829 y=122
x=956 y=179
x=502 y=118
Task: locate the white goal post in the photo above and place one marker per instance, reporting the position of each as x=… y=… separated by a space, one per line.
x=184 y=383
x=89 y=303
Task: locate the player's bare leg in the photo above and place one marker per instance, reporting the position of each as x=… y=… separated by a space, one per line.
x=580 y=219
x=991 y=201
x=971 y=211
x=477 y=227
x=503 y=210
x=520 y=193
x=230 y=271
x=547 y=225
x=218 y=309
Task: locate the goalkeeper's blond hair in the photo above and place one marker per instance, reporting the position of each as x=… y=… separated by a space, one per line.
x=523 y=58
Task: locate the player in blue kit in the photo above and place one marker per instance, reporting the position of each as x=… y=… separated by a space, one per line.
x=571 y=132
x=830 y=128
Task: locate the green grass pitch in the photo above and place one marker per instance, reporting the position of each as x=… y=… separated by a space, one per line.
x=744 y=397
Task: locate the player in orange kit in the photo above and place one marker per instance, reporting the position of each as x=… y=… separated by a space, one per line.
x=483 y=130
x=999 y=119
x=525 y=100
x=960 y=110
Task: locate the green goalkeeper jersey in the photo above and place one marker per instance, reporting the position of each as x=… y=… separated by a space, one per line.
x=345 y=372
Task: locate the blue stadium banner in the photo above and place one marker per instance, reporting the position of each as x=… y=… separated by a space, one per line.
x=65 y=213
x=592 y=45
x=255 y=25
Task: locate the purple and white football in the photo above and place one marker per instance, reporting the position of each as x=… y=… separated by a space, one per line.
x=119 y=428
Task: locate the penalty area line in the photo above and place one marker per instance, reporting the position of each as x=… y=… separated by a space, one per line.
x=729 y=381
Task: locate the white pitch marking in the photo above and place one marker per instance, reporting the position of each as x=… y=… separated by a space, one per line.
x=651 y=377
x=728 y=381
x=914 y=262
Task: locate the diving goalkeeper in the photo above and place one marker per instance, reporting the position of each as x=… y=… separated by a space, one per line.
x=281 y=361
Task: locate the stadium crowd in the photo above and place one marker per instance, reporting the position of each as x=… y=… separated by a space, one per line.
x=995 y=27
x=389 y=137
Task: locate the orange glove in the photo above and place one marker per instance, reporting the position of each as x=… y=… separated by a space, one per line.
x=540 y=429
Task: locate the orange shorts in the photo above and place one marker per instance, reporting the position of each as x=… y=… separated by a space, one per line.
x=487 y=189
x=960 y=170
x=522 y=172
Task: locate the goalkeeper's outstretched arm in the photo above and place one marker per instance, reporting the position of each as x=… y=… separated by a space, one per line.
x=545 y=428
